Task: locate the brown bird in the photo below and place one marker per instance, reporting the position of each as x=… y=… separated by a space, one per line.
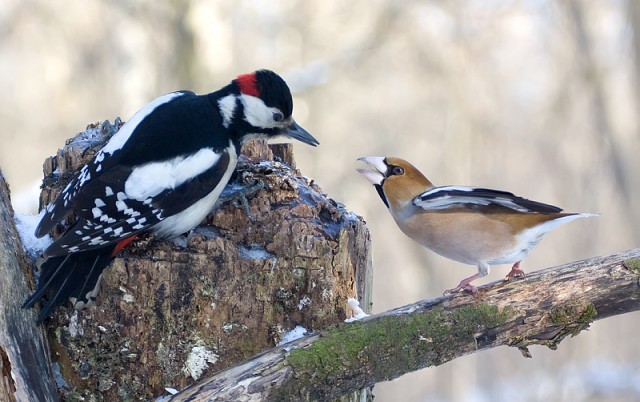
x=476 y=226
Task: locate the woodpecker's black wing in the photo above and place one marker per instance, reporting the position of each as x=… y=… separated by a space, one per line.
x=135 y=143
x=112 y=215
x=72 y=266
x=164 y=160
x=446 y=197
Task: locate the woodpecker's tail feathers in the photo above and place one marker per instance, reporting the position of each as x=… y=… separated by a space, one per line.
x=74 y=276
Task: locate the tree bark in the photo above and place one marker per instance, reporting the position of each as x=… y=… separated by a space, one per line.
x=541 y=309
x=24 y=366
x=169 y=311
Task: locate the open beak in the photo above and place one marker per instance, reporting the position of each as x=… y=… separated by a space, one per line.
x=296 y=132
x=377 y=169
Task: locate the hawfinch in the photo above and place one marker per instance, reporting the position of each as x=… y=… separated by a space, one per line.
x=474 y=226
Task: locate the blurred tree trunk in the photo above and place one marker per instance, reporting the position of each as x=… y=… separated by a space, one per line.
x=169 y=311
x=634 y=19
x=593 y=78
x=24 y=366
x=541 y=309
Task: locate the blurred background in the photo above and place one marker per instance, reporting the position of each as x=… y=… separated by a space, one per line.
x=536 y=97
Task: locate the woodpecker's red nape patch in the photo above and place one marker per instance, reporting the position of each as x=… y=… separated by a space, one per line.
x=122 y=244
x=248 y=84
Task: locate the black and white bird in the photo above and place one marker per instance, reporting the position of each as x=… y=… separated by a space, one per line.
x=161 y=172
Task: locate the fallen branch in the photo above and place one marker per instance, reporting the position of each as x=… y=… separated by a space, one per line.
x=542 y=309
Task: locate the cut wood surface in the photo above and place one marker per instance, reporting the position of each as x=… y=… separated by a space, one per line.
x=541 y=309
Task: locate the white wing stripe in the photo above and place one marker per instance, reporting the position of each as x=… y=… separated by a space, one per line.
x=446 y=188
x=432 y=200
x=153 y=178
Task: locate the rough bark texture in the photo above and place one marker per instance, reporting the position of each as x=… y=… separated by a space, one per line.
x=542 y=309
x=24 y=364
x=169 y=311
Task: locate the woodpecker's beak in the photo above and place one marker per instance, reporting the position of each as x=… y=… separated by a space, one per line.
x=296 y=132
x=377 y=171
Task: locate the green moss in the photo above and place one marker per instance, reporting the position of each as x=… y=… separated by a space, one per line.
x=632 y=264
x=469 y=320
x=589 y=314
x=573 y=318
x=388 y=343
x=570 y=315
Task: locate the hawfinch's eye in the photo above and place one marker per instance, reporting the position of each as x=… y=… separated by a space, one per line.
x=397 y=170
x=278 y=117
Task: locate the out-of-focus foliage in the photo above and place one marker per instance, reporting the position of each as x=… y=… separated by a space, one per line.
x=536 y=97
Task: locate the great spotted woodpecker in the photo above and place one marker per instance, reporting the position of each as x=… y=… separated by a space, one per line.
x=471 y=225
x=161 y=172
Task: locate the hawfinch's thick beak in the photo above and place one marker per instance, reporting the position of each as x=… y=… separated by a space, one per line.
x=377 y=171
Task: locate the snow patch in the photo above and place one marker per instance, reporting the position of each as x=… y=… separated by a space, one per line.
x=25 y=200
x=255 y=252
x=61 y=383
x=170 y=390
x=26 y=225
x=358 y=313
x=199 y=359
x=166 y=398
x=298 y=332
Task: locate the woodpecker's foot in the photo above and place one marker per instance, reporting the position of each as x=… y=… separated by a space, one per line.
x=515 y=272
x=238 y=193
x=464 y=286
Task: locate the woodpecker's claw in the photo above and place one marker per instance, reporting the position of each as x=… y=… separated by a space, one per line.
x=238 y=193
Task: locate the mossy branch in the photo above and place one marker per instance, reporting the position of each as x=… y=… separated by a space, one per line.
x=542 y=309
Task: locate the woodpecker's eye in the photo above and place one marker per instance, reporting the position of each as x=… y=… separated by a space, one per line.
x=397 y=170
x=278 y=117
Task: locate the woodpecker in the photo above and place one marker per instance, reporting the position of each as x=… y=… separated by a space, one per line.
x=471 y=225
x=162 y=172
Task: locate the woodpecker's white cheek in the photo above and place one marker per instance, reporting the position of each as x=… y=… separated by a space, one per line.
x=153 y=178
x=227 y=107
x=120 y=138
x=257 y=113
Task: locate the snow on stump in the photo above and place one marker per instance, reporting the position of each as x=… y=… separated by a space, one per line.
x=171 y=311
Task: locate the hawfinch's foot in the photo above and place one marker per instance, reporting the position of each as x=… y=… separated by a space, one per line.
x=464 y=286
x=515 y=272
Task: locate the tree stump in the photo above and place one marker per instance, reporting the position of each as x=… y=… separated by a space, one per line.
x=170 y=311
